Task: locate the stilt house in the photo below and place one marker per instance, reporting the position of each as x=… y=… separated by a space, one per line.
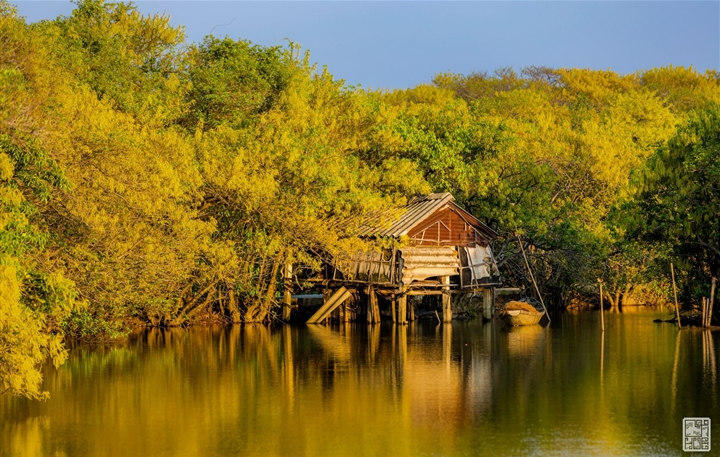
x=444 y=250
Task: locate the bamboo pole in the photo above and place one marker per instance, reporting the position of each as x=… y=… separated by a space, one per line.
x=707 y=311
x=602 y=310
x=527 y=264
x=602 y=360
x=677 y=309
x=711 y=303
x=706 y=322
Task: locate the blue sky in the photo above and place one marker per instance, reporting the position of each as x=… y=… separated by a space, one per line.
x=395 y=45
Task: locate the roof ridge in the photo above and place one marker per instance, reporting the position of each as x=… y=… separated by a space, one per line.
x=431 y=197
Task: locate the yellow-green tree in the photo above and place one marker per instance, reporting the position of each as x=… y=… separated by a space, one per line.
x=35 y=298
x=279 y=187
x=558 y=151
x=676 y=202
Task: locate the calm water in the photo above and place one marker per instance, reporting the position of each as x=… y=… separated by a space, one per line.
x=465 y=388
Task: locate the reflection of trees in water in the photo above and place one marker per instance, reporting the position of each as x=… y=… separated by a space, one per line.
x=23 y=437
x=382 y=388
x=709 y=361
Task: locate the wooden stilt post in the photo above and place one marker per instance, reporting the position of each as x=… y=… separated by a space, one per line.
x=289 y=371
x=411 y=312
x=373 y=316
x=677 y=309
x=327 y=294
x=374 y=339
x=446 y=301
x=401 y=349
x=376 y=309
x=344 y=317
x=287 y=299
x=369 y=314
x=488 y=304
x=402 y=306
x=393 y=307
x=447 y=348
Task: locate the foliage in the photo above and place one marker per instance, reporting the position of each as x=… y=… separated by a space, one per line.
x=233 y=81
x=143 y=180
x=678 y=198
x=127 y=59
x=34 y=298
x=557 y=151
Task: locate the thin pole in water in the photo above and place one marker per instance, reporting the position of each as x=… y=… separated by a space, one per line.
x=711 y=303
x=602 y=311
x=602 y=334
x=533 y=278
x=677 y=309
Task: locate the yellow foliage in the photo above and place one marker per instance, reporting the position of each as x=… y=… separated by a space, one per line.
x=597 y=85
x=6 y=167
x=161 y=218
x=9 y=289
x=25 y=345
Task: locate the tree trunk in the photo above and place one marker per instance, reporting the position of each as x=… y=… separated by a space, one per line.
x=626 y=294
x=235 y=316
x=262 y=307
x=272 y=287
x=614 y=301
x=251 y=310
x=192 y=307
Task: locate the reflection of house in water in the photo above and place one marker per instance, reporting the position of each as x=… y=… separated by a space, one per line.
x=432 y=247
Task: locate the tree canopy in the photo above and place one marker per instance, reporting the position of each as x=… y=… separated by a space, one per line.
x=147 y=180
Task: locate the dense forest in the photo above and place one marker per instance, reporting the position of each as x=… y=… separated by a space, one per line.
x=147 y=179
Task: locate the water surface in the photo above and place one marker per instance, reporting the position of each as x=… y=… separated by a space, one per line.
x=466 y=388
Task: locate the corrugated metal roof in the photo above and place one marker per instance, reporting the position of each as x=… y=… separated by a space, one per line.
x=416 y=211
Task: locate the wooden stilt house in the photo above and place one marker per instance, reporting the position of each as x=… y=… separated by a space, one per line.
x=439 y=249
